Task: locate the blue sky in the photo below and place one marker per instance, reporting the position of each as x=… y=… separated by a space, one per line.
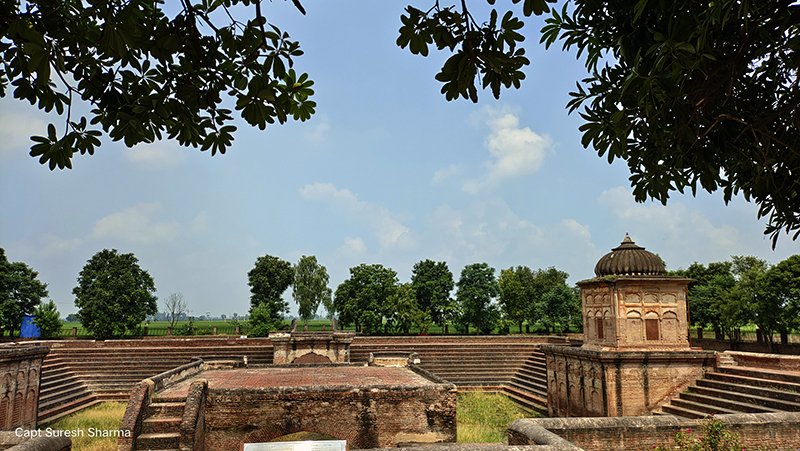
x=387 y=172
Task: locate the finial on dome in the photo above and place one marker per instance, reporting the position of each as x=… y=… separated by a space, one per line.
x=628 y=259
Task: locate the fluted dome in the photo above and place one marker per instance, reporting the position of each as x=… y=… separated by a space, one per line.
x=628 y=259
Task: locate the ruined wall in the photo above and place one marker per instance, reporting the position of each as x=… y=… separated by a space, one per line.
x=365 y=416
x=20 y=371
x=779 y=430
x=589 y=383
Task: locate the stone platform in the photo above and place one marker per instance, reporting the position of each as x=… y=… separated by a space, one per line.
x=300 y=376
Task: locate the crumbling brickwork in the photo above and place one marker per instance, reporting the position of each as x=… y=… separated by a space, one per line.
x=20 y=371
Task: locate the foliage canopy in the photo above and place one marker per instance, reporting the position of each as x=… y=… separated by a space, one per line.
x=268 y=279
x=114 y=294
x=147 y=75
x=310 y=287
x=20 y=292
x=693 y=95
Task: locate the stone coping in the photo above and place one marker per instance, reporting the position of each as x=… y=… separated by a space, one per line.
x=22 y=351
x=479 y=447
x=611 y=355
x=323 y=378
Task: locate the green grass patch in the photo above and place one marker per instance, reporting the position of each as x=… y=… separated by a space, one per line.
x=93 y=421
x=484 y=417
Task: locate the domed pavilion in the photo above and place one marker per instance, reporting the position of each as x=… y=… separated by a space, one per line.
x=635 y=354
x=631 y=303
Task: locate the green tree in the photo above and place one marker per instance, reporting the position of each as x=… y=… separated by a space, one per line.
x=778 y=306
x=537 y=284
x=477 y=287
x=310 y=287
x=513 y=298
x=432 y=283
x=20 y=293
x=707 y=292
x=47 y=319
x=148 y=75
x=692 y=95
x=268 y=279
x=114 y=294
x=559 y=306
x=365 y=298
x=405 y=311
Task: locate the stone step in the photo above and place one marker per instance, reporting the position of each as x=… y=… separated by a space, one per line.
x=56 y=399
x=63 y=390
x=61 y=410
x=754 y=381
x=730 y=392
x=758 y=373
x=165 y=409
x=531 y=402
x=682 y=412
x=699 y=407
x=536 y=373
x=161 y=424
x=158 y=441
x=531 y=386
x=714 y=401
x=750 y=390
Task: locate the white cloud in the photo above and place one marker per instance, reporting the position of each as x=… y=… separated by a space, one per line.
x=135 y=225
x=156 y=155
x=199 y=224
x=666 y=229
x=319 y=130
x=16 y=130
x=481 y=233
x=353 y=247
x=445 y=173
x=54 y=245
x=577 y=228
x=515 y=151
x=389 y=231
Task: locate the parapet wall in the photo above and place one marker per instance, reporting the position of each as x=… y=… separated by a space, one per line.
x=778 y=430
x=20 y=372
x=367 y=416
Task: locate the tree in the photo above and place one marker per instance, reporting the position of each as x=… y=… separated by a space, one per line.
x=310 y=287
x=175 y=306
x=47 y=319
x=477 y=287
x=365 y=298
x=559 y=306
x=114 y=294
x=20 y=293
x=778 y=305
x=537 y=284
x=513 y=300
x=405 y=311
x=270 y=277
x=432 y=283
x=693 y=95
x=147 y=75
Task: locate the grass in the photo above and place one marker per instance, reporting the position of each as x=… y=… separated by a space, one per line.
x=484 y=417
x=103 y=417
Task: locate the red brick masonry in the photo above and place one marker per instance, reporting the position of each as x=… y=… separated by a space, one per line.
x=346 y=376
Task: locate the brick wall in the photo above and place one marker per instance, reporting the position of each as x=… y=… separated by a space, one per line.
x=365 y=416
x=775 y=430
x=20 y=372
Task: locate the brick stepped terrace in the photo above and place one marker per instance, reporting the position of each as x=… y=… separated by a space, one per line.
x=79 y=375
x=735 y=389
x=161 y=425
x=514 y=367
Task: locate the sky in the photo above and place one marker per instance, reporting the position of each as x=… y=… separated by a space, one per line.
x=386 y=172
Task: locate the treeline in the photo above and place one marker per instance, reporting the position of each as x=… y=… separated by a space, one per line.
x=373 y=300
x=745 y=291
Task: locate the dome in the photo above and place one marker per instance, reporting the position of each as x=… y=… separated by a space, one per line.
x=628 y=259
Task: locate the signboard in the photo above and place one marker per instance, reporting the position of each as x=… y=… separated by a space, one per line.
x=306 y=445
